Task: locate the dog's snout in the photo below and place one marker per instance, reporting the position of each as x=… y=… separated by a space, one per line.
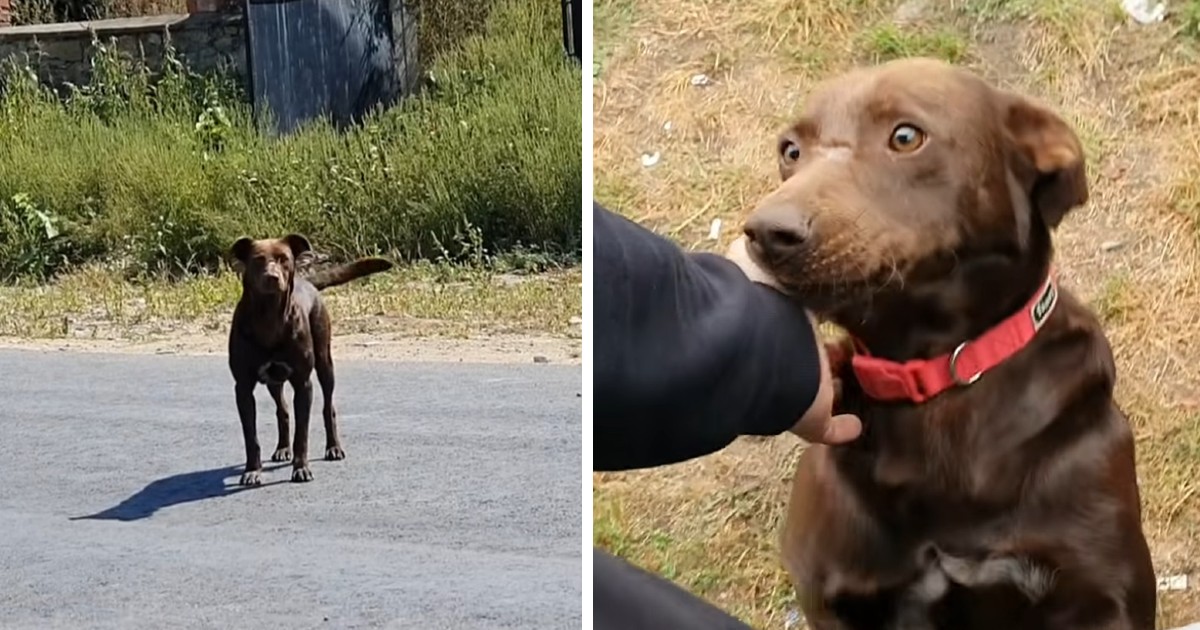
x=778 y=232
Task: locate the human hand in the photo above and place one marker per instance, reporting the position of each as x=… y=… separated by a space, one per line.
x=740 y=255
x=817 y=424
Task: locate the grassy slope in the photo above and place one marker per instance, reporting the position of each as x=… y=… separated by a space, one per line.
x=163 y=176
x=1132 y=252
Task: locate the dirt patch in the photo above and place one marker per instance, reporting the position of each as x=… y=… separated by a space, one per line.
x=385 y=347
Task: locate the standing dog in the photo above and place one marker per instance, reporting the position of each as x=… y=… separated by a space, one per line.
x=994 y=486
x=280 y=333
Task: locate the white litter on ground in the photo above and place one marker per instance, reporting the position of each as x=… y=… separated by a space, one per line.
x=1173 y=582
x=714 y=230
x=650 y=159
x=1144 y=11
x=700 y=80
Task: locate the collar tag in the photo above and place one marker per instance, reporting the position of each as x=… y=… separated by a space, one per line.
x=1040 y=311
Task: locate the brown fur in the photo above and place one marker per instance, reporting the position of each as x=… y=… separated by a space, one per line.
x=1009 y=503
x=281 y=332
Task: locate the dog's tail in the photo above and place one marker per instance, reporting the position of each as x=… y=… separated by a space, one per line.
x=342 y=274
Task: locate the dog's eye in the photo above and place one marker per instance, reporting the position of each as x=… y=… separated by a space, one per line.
x=789 y=150
x=906 y=139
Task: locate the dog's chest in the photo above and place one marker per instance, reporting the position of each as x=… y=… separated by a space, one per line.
x=277 y=353
x=948 y=592
x=274 y=372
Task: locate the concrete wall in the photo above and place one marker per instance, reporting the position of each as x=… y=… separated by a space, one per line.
x=62 y=52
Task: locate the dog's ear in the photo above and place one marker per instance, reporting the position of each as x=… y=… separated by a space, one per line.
x=240 y=252
x=302 y=251
x=1049 y=160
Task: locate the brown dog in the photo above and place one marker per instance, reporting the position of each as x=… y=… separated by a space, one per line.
x=994 y=485
x=280 y=333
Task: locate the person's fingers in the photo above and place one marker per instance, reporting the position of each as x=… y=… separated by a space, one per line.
x=829 y=430
x=838 y=354
x=739 y=254
x=842 y=429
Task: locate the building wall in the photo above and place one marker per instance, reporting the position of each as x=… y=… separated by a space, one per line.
x=61 y=53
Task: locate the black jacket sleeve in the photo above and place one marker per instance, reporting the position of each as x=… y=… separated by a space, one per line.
x=688 y=353
x=625 y=597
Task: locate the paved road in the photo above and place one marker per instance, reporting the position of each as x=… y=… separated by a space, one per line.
x=458 y=505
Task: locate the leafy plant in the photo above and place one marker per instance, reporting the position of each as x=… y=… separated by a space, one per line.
x=31 y=241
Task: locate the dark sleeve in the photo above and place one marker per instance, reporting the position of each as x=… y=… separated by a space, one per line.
x=688 y=353
x=625 y=597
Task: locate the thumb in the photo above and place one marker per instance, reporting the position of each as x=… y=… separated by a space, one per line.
x=842 y=429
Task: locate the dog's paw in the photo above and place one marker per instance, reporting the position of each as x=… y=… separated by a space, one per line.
x=251 y=478
x=302 y=475
x=334 y=453
x=283 y=454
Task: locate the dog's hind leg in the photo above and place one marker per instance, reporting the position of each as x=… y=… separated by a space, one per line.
x=283 y=449
x=333 y=441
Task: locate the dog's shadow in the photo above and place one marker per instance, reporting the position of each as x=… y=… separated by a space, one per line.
x=175 y=490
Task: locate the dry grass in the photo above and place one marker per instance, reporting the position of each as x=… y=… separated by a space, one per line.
x=416 y=301
x=1133 y=251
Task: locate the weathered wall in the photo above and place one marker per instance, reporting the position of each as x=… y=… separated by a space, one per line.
x=61 y=52
x=405 y=45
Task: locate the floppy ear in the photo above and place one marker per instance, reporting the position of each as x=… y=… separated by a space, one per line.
x=1049 y=160
x=301 y=249
x=241 y=251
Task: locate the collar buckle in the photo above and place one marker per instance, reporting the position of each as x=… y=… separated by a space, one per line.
x=958 y=380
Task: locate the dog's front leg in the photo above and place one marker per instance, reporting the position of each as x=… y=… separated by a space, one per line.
x=283 y=448
x=244 y=395
x=302 y=405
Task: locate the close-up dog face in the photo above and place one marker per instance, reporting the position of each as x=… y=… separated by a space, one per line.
x=898 y=176
x=268 y=266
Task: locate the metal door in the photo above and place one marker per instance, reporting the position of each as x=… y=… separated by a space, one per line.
x=321 y=58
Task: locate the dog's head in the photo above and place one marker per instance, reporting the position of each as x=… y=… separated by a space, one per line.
x=268 y=266
x=915 y=177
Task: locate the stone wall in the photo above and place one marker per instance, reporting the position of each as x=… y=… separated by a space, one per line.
x=61 y=52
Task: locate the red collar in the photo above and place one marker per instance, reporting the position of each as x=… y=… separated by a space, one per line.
x=919 y=380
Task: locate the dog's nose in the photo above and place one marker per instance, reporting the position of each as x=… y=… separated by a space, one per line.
x=778 y=232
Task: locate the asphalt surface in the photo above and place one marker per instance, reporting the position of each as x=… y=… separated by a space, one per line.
x=458 y=505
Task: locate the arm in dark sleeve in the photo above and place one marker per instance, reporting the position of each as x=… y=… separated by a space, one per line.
x=688 y=353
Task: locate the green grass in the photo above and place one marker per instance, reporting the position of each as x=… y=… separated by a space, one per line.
x=889 y=41
x=609 y=19
x=1189 y=15
x=158 y=177
x=1113 y=300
